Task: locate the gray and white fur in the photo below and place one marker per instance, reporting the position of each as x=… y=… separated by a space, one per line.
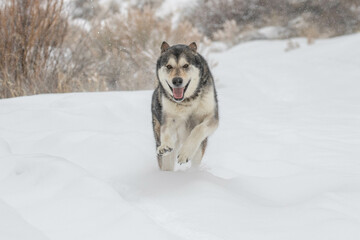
x=184 y=106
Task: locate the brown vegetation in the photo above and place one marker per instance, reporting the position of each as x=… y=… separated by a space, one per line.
x=94 y=48
x=43 y=51
x=323 y=18
x=32 y=33
x=124 y=48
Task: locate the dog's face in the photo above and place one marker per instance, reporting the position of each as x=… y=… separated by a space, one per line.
x=178 y=70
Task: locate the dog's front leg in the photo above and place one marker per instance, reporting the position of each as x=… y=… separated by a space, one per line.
x=197 y=135
x=167 y=138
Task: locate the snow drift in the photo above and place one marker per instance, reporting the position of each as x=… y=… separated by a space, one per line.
x=284 y=163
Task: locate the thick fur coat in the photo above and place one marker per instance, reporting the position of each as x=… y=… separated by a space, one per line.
x=184 y=106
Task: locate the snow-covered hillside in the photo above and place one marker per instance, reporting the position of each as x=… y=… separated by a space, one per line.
x=284 y=163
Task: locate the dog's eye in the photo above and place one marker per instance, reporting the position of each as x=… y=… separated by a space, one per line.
x=169 y=67
x=186 y=66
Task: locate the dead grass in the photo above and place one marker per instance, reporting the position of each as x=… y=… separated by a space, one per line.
x=43 y=51
x=322 y=18
x=122 y=50
x=30 y=47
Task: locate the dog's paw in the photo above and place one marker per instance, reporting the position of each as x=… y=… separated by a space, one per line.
x=184 y=154
x=163 y=150
x=182 y=159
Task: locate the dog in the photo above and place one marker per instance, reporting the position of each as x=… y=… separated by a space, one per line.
x=184 y=106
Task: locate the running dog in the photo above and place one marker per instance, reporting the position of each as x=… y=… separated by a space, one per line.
x=184 y=106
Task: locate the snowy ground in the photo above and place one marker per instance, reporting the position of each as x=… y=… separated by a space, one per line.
x=284 y=163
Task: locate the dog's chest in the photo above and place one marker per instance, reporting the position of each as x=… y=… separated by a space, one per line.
x=179 y=112
x=190 y=114
x=182 y=118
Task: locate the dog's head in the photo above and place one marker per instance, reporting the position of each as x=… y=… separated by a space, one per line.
x=178 y=70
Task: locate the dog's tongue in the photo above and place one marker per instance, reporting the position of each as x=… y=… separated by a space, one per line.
x=178 y=93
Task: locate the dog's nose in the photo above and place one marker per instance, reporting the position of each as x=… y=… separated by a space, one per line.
x=177 y=81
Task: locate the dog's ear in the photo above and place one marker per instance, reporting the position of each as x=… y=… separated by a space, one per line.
x=193 y=46
x=164 y=46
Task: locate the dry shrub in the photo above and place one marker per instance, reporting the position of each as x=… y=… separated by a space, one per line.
x=291 y=45
x=78 y=63
x=123 y=48
x=209 y=16
x=32 y=33
x=84 y=9
x=324 y=18
x=327 y=17
x=44 y=51
x=228 y=34
x=146 y=3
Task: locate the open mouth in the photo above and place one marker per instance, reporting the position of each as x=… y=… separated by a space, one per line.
x=178 y=93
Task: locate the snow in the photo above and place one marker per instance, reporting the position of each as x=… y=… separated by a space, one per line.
x=174 y=6
x=272 y=32
x=13 y=226
x=284 y=163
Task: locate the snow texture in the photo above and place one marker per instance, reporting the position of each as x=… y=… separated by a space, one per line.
x=284 y=163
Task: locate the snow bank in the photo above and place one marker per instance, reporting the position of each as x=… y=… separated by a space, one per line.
x=284 y=163
x=13 y=226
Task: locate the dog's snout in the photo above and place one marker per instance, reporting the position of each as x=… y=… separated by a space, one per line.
x=177 y=81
